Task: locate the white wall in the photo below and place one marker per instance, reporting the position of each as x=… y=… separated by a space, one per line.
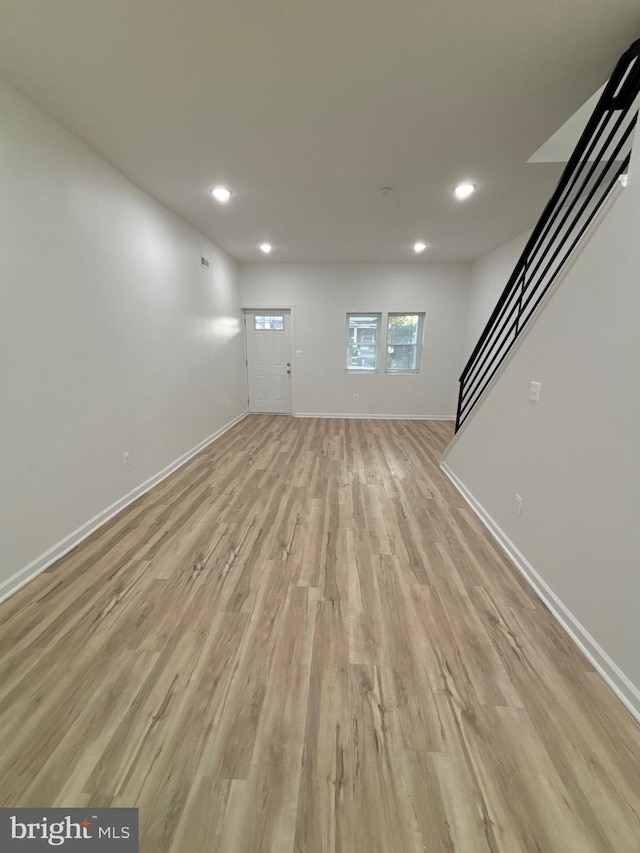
x=489 y=276
x=574 y=456
x=112 y=337
x=323 y=293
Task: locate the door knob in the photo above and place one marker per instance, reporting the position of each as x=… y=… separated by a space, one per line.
x=288 y=364
x=289 y=372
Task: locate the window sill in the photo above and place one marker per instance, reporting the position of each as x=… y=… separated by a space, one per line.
x=403 y=372
x=359 y=372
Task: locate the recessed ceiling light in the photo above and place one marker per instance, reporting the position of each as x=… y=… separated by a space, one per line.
x=419 y=247
x=464 y=190
x=266 y=248
x=221 y=194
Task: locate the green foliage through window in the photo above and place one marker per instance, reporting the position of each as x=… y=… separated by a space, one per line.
x=404 y=334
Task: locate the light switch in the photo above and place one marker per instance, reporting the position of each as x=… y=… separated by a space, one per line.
x=534 y=391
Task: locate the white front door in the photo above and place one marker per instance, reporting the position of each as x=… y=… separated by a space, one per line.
x=269 y=337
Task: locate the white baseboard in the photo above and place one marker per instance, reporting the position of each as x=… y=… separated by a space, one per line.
x=624 y=689
x=35 y=567
x=352 y=416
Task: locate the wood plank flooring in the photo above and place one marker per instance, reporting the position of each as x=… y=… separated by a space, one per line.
x=305 y=641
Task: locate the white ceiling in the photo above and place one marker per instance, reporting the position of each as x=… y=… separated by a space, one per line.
x=559 y=147
x=304 y=108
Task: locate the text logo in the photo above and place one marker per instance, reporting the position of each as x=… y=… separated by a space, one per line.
x=80 y=830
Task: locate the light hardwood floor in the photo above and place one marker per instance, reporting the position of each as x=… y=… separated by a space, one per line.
x=305 y=641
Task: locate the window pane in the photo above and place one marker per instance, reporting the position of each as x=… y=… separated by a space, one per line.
x=401 y=357
x=403 y=328
x=362 y=343
x=404 y=334
x=268 y=322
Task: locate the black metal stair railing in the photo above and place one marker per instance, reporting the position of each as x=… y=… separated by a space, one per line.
x=599 y=160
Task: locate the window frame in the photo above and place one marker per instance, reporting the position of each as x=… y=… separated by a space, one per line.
x=363 y=371
x=419 y=344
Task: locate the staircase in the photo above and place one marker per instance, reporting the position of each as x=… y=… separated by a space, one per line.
x=599 y=161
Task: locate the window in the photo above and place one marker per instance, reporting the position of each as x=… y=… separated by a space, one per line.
x=404 y=343
x=268 y=322
x=363 y=332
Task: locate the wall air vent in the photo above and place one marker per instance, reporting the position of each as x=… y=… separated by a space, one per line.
x=204 y=263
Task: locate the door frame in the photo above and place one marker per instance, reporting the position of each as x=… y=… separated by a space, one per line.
x=268 y=306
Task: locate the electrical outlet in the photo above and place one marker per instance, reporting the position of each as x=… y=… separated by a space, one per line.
x=298 y=353
x=126 y=458
x=355 y=396
x=534 y=391
x=518 y=504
